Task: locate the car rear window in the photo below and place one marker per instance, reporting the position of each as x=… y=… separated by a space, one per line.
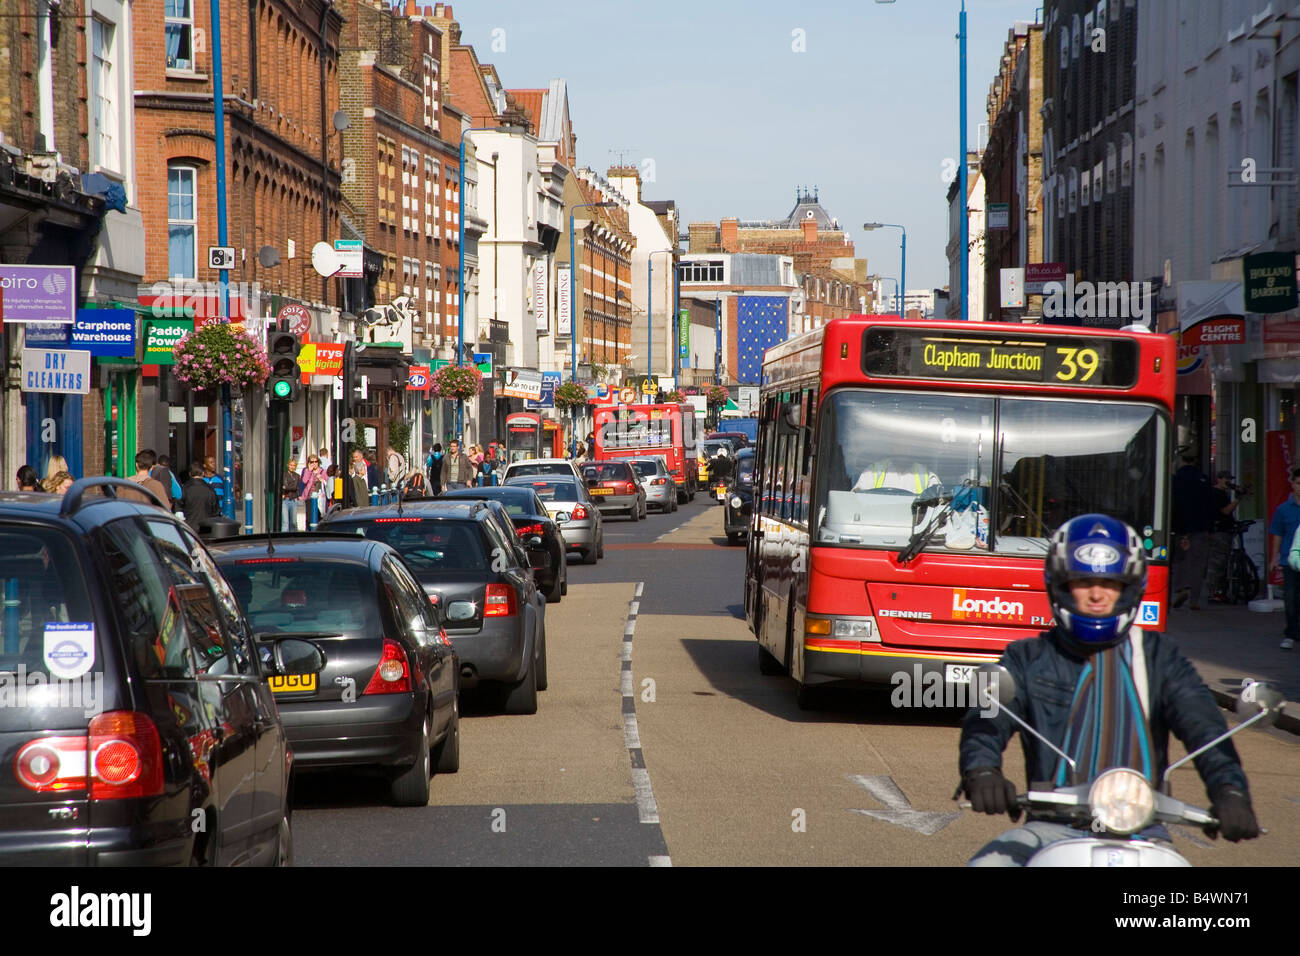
x=305 y=595
x=555 y=468
x=47 y=631
x=609 y=471
x=556 y=490
x=515 y=503
x=426 y=544
x=645 y=469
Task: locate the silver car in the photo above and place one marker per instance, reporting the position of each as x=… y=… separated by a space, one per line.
x=657 y=480
x=535 y=467
x=568 y=503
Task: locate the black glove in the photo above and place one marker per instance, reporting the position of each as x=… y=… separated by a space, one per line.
x=1236 y=817
x=990 y=792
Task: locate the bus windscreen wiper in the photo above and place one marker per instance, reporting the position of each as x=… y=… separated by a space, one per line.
x=921 y=538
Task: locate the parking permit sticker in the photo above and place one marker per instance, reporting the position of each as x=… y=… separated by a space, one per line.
x=1150 y=613
x=69 y=649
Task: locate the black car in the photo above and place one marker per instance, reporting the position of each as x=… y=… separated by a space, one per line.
x=531 y=522
x=480 y=578
x=738 y=505
x=146 y=733
x=377 y=680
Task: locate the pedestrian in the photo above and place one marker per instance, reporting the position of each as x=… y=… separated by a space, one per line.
x=335 y=483
x=325 y=460
x=289 y=486
x=198 y=500
x=1193 y=517
x=212 y=478
x=56 y=464
x=457 y=469
x=486 y=473
x=27 y=480
x=416 y=486
x=395 y=467
x=1281 y=535
x=360 y=485
x=58 y=483
x=433 y=463
x=162 y=473
x=1224 y=505
x=145 y=459
x=368 y=469
x=313 y=484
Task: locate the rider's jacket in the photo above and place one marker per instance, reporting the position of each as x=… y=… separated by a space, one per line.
x=1046 y=673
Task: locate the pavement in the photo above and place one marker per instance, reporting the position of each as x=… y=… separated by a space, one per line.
x=1227 y=643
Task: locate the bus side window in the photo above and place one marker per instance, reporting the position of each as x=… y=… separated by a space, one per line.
x=805 y=455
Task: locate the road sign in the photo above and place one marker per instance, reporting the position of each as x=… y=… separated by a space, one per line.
x=349 y=253
x=221 y=257
x=298 y=317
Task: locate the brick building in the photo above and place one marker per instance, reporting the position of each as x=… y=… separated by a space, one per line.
x=603 y=279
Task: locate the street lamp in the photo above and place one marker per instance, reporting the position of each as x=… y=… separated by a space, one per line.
x=649 y=308
x=902 y=282
x=573 y=312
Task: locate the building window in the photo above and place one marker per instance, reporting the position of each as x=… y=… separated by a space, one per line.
x=182 y=223
x=103 y=96
x=179 y=34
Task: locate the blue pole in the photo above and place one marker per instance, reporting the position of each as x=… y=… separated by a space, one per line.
x=374 y=497
x=248 y=513
x=903 y=281
x=219 y=119
x=649 y=320
x=573 y=335
x=964 y=250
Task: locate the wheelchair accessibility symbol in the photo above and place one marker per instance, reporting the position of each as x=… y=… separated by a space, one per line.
x=1150 y=612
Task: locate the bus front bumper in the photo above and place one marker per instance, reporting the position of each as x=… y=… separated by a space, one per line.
x=828 y=661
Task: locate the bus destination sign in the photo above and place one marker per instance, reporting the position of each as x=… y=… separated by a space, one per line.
x=971 y=356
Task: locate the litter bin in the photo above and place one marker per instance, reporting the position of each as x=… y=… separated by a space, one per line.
x=218 y=527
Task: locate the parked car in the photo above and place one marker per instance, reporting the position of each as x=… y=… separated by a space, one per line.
x=567 y=501
x=479 y=576
x=540 y=467
x=656 y=481
x=739 y=505
x=378 y=682
x=152 y=710
x=614 y=486
x=534 y=527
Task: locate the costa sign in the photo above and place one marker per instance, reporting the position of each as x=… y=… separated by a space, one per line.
x=297 y=316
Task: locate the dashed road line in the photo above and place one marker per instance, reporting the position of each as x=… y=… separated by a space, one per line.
x=647 y=809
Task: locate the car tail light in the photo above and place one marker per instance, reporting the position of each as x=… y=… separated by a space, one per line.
x=578 y=513
x=395 y=520
x=659 y=481
x=629 y=488
x=120 y=757
x=391 y=676
x=499 y=601
x=52 y=763
x=530 y=529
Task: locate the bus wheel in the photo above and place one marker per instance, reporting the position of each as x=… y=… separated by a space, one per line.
x=768 y=665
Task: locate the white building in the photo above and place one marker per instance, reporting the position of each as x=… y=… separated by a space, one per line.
x=653 y=245
x=975 y=254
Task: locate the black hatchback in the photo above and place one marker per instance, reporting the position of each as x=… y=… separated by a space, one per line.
x=377 y=679
x=136 y=723
x=536 y=529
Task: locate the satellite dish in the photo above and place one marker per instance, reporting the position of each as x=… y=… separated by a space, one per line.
x=268 y=256
x=341 y=121
x=324 y=259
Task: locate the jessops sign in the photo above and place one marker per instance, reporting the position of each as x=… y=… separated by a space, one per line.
x=38 y=293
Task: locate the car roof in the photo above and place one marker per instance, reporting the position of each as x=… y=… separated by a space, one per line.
x=540 y=461
x=81 y=511
x=310 y=544
x=420 y=508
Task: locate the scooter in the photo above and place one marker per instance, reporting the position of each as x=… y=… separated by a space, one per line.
x=1119 y=803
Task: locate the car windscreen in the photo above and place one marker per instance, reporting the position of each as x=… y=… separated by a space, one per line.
x=50 y=647
x=556 y=490
x=304 y=595
x=745 y=470
x=426 y=544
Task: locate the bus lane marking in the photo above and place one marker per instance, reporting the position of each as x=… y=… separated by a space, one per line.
x=899 y=809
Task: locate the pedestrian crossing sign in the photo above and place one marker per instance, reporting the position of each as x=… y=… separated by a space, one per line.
x=1149 y=613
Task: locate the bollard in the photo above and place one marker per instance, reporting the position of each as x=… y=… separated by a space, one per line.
x=374 y=497
x=248 y=513
x=313 y=513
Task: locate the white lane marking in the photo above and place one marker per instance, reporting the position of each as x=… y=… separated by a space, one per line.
x=625 y=685
x=640 y=586
x=631 y=734
x=645 y=796
x=634 y=609
x=627 y=650
x=646 y=807
x=900 y=812
x=660 y=861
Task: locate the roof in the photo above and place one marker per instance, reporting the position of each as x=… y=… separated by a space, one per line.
x=530 y=101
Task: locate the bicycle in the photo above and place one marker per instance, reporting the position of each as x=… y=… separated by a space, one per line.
x=1242 y=581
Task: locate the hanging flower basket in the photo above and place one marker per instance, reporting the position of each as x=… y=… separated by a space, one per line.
x=673 y=396
x=717 y=395
x=570 y=395
x=220 y=354
x=457 y=382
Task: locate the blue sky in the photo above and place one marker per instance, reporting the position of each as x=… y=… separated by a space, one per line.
x=717 y=100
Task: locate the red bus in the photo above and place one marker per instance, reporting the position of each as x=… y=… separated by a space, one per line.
x=910 y=474
x=629 y=431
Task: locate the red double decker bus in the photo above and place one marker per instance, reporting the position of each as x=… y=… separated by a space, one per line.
x=629 y=431
x=910 y=475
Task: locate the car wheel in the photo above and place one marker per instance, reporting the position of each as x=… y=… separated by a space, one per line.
x=541 y=662
x=284 y=843
x=521 y=698
x=411 y=787
x=556 y=592
x=446 y=755
x=564 y=583
x=589 y=556
x=600 y=548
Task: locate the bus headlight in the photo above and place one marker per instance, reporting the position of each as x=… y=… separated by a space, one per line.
x=1122 y=800
x=842 y=628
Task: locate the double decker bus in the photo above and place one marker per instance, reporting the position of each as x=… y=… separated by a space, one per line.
x=630 y=431
x=910 y=475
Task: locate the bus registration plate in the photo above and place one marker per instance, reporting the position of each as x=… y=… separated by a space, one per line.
x=958 y=673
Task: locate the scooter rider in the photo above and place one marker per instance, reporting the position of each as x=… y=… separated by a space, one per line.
x=1094 y=669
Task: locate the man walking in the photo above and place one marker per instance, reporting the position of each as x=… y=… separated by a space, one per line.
x=198 y=500
x=1216 y=577
x=457 y=470
x=1193 y=517
x=145 y=459
x=1281 y=535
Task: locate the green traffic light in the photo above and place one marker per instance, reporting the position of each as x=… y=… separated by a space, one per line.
x=282 y=389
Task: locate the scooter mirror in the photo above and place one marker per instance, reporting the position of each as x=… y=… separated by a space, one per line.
x=1258 y=697
x=997 y=681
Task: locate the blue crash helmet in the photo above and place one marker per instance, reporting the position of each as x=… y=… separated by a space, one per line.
x=1095 y=546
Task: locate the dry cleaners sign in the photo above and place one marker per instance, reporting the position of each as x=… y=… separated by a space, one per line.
x=56 y=370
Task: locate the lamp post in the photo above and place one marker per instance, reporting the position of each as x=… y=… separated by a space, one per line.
x=573 y=311
x=649 y=309
x=964 y=248
x=219 y=130
x=460 y=270
x=902 y=282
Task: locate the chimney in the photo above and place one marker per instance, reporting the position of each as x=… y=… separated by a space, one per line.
x=809 y=230
x=411 y=9
x=729 y=229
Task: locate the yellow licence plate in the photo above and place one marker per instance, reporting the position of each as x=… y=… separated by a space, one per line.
x=293 y=683
x=601 y=491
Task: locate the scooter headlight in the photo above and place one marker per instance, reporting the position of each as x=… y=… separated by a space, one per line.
x=1122 y=800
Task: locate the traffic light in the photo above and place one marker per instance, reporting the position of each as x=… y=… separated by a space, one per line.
x=285 y=383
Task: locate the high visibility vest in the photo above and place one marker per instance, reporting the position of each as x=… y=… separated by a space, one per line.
x=879 y=479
